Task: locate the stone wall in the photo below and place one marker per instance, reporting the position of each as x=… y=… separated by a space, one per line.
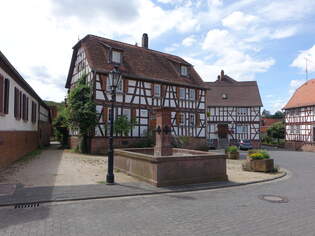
x=99 y=145
x=184 y=167
x=300 y=146
x=15 y=144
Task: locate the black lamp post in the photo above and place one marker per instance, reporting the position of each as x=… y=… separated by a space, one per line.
x=114 y=77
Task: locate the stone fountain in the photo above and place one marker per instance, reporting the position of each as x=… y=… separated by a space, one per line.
x=164 y=165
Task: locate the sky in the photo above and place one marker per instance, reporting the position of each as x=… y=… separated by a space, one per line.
x=263 y=40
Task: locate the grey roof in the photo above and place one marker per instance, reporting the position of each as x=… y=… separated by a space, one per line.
x=239 y=94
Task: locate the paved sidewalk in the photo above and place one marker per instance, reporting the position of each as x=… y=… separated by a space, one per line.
x=24 y=195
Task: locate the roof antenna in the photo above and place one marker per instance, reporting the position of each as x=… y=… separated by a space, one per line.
x=306 y=70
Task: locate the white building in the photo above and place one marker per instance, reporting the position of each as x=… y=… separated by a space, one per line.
x=24 y=117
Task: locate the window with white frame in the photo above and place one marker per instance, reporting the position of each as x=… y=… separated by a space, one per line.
x=157 y=90
x=183 y=70
x=126 y=112
x=119 y=87
x=241 y=129
x=291 y=129
x=297 y=129
x=242 y=111
x=116 y=56
x=192 y=94
x=182 y=93
x=181 y=119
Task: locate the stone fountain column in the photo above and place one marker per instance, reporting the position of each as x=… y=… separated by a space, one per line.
x=163 y=132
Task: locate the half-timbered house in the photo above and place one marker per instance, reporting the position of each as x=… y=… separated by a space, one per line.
x=24 y=117
x=150 y=79
x=233 y=111
x=300 y=118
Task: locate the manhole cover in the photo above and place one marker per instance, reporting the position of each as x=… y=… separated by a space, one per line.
x=273 y=198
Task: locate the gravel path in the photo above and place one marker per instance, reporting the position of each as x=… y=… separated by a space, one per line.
x=54 y=167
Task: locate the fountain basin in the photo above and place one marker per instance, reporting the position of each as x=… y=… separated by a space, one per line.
x=183 y=167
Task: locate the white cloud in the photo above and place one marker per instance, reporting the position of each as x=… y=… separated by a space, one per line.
x=190 y=40
x=294 y=84
x=284 y=33
x=215 y=3
x=217 y=40
x=232 y=56
x=287 y=10
x=300 y=60
x=238 y=20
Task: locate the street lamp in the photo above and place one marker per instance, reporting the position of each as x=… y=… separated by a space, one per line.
x=114 y=78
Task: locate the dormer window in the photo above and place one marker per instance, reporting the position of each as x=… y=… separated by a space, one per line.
x=224 y=96
x=116 y=57
x=183 y=70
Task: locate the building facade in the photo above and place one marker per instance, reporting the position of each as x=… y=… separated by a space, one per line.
x=233 y=111
x=300 y=118
x=24 y=117
x=267 y=122
x=150 y=79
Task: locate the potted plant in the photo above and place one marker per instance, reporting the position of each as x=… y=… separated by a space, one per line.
x=259 y=160
x=232 y=152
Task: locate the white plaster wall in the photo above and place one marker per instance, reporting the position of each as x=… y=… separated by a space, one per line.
x=8 y=122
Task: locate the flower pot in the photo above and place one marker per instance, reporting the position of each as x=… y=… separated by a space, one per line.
x=265 y=165
x=233 y=155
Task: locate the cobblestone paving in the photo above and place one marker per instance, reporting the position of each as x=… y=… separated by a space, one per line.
x=232 y=211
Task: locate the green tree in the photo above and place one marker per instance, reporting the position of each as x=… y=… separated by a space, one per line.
x=278 y=115
x=266 y=113
x=122 y=125
x=60 y=127
x=81 y=112
x=277 y=131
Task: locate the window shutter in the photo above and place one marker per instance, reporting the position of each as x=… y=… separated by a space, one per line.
x=152 y=89
x=6 y=95
x=163 y=90
x=1 y=94
x=20 y=105
x=27 y=101
x=197 y=120
x=177 y=92
x=125 y=85
x=24 y=107
x=35 y=112
x=105 y=114
x=16 y=102
x=103 y=82
x=133 y=113
x=178 y=117
x=197 y=94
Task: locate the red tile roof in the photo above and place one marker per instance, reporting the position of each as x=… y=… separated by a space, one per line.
x=138 y=62
x=239 y=94
x=303 y=96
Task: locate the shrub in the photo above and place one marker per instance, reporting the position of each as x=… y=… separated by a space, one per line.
x=258 y=154
x=232 y=149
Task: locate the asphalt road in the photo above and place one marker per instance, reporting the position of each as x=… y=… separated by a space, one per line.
x=230 y=211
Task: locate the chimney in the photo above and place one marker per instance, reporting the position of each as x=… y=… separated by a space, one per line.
x=222 y=74
x=145 y=40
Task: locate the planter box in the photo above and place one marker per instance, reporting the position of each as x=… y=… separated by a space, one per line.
x=265 y=165
x=233 y=155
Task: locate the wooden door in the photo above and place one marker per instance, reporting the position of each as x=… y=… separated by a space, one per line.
x=223 y=130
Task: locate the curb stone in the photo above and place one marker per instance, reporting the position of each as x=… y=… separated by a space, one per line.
x=145 y=192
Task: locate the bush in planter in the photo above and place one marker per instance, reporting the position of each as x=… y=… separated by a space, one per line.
x=259 y=155
x=231 y=149
x=258 y=160
x=232 y=152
